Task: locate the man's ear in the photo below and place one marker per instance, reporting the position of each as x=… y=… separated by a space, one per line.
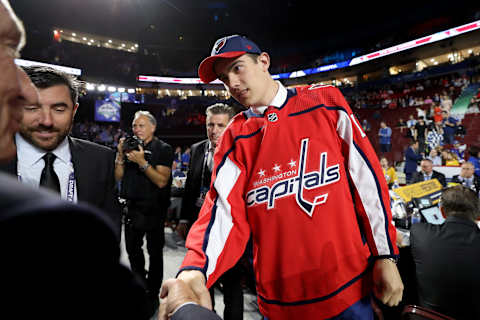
x=264 y=60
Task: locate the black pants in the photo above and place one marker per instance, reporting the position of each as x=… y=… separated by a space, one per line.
x=231 y=286
x=155 y=236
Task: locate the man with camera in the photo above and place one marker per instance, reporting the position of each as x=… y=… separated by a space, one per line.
x=143 y=165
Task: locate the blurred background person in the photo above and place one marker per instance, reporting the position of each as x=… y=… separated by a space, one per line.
x=389 y=172
x=196 y=188
x=467 y=177
x=143 y=165
x=427 y=173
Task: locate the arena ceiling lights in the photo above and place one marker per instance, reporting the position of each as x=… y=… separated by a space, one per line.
x=61 y=34
x=453 y=32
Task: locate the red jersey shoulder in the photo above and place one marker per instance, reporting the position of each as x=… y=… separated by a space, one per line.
x=241 y=124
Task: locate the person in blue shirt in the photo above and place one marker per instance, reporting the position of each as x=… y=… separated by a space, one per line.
x=385 y=134
x=474 y=157
x=185 y=159
x=449 y=127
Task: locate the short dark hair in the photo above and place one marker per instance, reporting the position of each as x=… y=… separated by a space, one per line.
x=220 y=108
x=460 y=201
x=253 y=56
x=46 y=77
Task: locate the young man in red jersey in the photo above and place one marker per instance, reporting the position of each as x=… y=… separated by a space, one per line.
x=297 y=174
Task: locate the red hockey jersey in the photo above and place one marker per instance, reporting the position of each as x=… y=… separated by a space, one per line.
x=303 y=180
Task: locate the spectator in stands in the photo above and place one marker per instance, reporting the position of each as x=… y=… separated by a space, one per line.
x=428 y=101
x=366 y=125
x=389 y=172
x=446 y=102
x=177 y=158
x=437 y=116
x=474 y=157
x=447 y=257
x=385 y=134
x=435 y=158
x=467 y=177
x=185 y=159
x=411 y=122
x=449 y=127
x=450 y=160
x=428 y=173
x=458 y=150
x=412 y=156
x=434 y=136
x=420 y=133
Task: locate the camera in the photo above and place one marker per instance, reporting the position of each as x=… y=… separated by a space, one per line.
x=132 y=143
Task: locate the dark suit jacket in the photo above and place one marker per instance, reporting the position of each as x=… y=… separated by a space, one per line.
x=476 y=181
x=418 y=177
x=94 y=167
x=447 y=257
x=411 y=160
x=193 y=183
x=194 y=312
x=65 y=255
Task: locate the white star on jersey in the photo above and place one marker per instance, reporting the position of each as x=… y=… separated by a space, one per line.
x=276 y=168
x=261 y=173
x=292 y=163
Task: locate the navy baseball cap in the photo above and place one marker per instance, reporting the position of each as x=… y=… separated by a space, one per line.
x=226 y=47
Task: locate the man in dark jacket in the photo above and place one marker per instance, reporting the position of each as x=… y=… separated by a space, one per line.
x=428 y=173
x=447 y=256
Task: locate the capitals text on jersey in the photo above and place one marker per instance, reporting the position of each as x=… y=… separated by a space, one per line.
x=296 y=185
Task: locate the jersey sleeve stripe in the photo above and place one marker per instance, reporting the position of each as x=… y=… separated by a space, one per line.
x=221 y=223
x=218 y=231
x=367 y=186
x=379 y=192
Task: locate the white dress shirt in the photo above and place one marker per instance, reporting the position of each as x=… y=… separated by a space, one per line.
x=30 y=165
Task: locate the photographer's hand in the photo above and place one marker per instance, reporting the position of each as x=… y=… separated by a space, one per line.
x=137 y=156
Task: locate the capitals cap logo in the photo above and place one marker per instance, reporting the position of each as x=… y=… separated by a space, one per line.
x=220 y=43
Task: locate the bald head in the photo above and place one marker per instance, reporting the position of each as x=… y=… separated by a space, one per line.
x=427 y=166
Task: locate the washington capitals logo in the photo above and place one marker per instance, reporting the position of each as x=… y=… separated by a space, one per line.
x=219 y=45
x=296 y=185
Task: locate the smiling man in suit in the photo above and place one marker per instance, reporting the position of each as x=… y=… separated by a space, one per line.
x=80 y=171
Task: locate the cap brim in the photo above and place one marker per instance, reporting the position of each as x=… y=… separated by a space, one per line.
x=205 y=70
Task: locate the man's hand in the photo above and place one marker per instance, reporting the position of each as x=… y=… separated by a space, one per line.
x=196 y=281
x=137 y=156
x=174 y=293
x=387 y=284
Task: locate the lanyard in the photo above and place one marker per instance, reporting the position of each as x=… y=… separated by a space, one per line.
x=205 y=159
x=70 y=185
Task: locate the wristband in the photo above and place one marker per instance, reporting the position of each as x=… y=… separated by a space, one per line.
x=144 y=167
